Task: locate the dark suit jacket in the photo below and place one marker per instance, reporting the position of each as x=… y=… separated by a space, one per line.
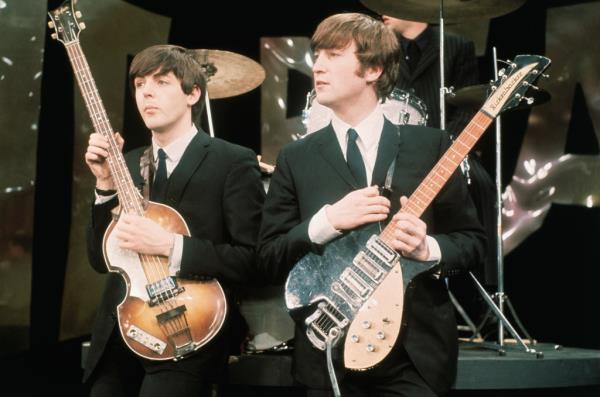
x=312 y=172
x=216 y=187
x=460 y=70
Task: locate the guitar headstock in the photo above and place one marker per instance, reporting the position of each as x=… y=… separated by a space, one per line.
x=65 y=22
x=513 y=82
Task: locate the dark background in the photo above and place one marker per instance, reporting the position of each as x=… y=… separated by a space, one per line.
x=551 y=278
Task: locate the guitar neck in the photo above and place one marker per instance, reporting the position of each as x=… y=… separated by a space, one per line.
x=128 y=194
x=442 y=171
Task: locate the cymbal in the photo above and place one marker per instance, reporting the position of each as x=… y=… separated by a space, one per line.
x=229 y=74
x=473 y=97
x=454 y=10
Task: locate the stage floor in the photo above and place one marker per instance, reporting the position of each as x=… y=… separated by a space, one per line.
x=478 y=368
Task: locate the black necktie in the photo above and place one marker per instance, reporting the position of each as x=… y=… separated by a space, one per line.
x=160 y=179
x=355 y=160
x=413 y=54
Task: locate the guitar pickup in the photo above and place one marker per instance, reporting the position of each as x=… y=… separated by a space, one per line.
x=352 y=280
x=369 y=266
x=381 y=250
x=162 y=290
x=346 y=294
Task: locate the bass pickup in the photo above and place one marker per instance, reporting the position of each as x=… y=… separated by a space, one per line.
x=162 y=290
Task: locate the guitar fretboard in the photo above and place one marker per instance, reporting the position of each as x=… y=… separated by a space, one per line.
x=442 y=171
x=129 y=197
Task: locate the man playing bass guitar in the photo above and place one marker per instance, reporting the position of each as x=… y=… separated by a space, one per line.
x=326 y=185
x=216 y=187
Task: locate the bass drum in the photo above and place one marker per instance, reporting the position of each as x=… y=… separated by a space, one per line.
x=400 y=107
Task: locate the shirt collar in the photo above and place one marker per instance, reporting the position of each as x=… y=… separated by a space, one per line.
x=175 y=149
x=422 y=40
x=368 y=130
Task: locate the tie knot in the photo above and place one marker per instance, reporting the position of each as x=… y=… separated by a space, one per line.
x=352 y=134
x=161 y=154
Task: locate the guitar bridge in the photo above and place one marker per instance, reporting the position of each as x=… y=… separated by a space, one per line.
x=322 y=321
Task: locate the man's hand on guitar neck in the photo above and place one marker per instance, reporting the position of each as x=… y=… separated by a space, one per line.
x=410 y=235
x=95 y=158
x=143 y=235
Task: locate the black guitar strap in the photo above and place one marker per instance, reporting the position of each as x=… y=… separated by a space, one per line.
x=147 y=172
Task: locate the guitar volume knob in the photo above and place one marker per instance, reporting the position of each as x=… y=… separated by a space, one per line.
x=380 y=335
x=355 y=338
x=370 y=348
x=366 y=324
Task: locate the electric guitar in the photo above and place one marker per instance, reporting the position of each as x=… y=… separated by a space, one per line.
x=161 y=317
x=355 y=287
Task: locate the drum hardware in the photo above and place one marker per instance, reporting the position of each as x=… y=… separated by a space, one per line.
x=228 y=74
x=500 y=296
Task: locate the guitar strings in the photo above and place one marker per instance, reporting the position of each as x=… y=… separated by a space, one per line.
x=151 y=265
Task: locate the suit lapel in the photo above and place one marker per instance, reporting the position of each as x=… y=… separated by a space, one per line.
x=386 y=152
x=190 y=161
x=404 y=71
x=329 y=148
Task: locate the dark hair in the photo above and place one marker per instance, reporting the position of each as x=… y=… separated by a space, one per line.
x=376 y=44
x=166 y=58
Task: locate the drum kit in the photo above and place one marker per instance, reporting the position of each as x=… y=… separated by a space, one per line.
x=231 y=74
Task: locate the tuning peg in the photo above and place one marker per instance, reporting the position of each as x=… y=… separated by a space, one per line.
x=78 y=14
x=54 y=36
x=529 y=100
x=545 y=75
x=528 y=84
x=51 y=24
x=82 y=25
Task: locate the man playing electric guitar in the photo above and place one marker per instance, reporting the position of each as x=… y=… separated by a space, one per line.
x=325 y=185
x=215 y=186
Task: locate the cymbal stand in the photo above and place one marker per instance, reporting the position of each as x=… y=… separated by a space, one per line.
x=500 y=296
x=444 y=91
x=209 y=116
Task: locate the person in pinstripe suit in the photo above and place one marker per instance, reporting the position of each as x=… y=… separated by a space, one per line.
x=419 y=68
